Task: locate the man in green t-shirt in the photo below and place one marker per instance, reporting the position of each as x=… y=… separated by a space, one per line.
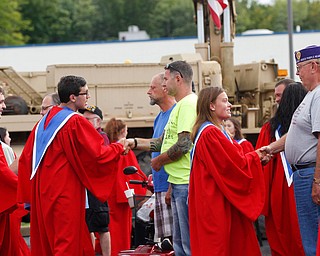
x=175 y=145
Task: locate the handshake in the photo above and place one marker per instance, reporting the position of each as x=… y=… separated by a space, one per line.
x=264 y=154
x=127 y=144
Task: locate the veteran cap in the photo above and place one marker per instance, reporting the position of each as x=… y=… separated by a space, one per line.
x=93 y=109
x=309 y=53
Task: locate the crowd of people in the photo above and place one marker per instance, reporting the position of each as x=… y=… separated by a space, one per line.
x=210 y=183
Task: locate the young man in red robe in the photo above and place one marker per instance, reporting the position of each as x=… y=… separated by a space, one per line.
x=64 y=155
x=11 y=240
x=226 y=191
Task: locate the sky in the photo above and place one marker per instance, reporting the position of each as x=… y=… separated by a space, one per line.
x=265 y=1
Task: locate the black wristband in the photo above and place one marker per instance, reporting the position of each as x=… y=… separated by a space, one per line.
x=135 y=142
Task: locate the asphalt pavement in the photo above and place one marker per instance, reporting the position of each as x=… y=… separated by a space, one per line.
x=265 y=249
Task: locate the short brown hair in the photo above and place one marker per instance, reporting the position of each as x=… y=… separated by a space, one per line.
x=285 y=81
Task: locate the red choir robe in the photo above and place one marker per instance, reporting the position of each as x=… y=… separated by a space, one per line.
x=120 y=225
x=281 y=220
x=226 y=194
x=75 y=160
x=246 y=146
x=11 y=240
x=18 y=241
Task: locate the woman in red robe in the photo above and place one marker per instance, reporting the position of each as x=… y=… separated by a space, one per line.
x=11 y=240
x=120 y=225
x=281 y=220
x=226 y=191
x=234 y=128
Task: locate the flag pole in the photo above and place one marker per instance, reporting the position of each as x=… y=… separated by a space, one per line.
x=226 y=25
x=290 y=37
x=227 y=57
x=201 y=47
x=200 y=22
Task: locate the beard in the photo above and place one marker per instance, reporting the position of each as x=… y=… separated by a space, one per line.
x=153 y=102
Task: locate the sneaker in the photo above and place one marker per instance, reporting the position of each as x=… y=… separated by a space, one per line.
x=165 y=245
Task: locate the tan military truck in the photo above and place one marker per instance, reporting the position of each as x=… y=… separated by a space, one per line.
x=120 y=89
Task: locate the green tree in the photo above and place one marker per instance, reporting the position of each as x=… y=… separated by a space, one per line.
x=117 y=15
x=95 y=20
x=172 y=18
x=279 y=19
x=109 y=19
x=243 y=19
x=41 y=13
x=253 y=15
x=310 y=21
x=79 y=15
x=138 y=12
x=11 y=23
x=59 y=20
x=165 y=18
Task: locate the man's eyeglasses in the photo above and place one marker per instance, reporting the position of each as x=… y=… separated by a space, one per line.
x=44 y=108
x=169 y=66
x=302 y=65
x=84 y=93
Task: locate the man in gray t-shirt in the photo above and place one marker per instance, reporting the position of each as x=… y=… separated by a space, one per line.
x=301 y=148
x=301 y=143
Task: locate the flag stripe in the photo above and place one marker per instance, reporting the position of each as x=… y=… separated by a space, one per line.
x=216 y=8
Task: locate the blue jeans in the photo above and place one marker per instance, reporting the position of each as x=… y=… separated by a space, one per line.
x=179 y=204
x=308 y=212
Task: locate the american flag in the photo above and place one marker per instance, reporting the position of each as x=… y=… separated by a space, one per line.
x=216 y=8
